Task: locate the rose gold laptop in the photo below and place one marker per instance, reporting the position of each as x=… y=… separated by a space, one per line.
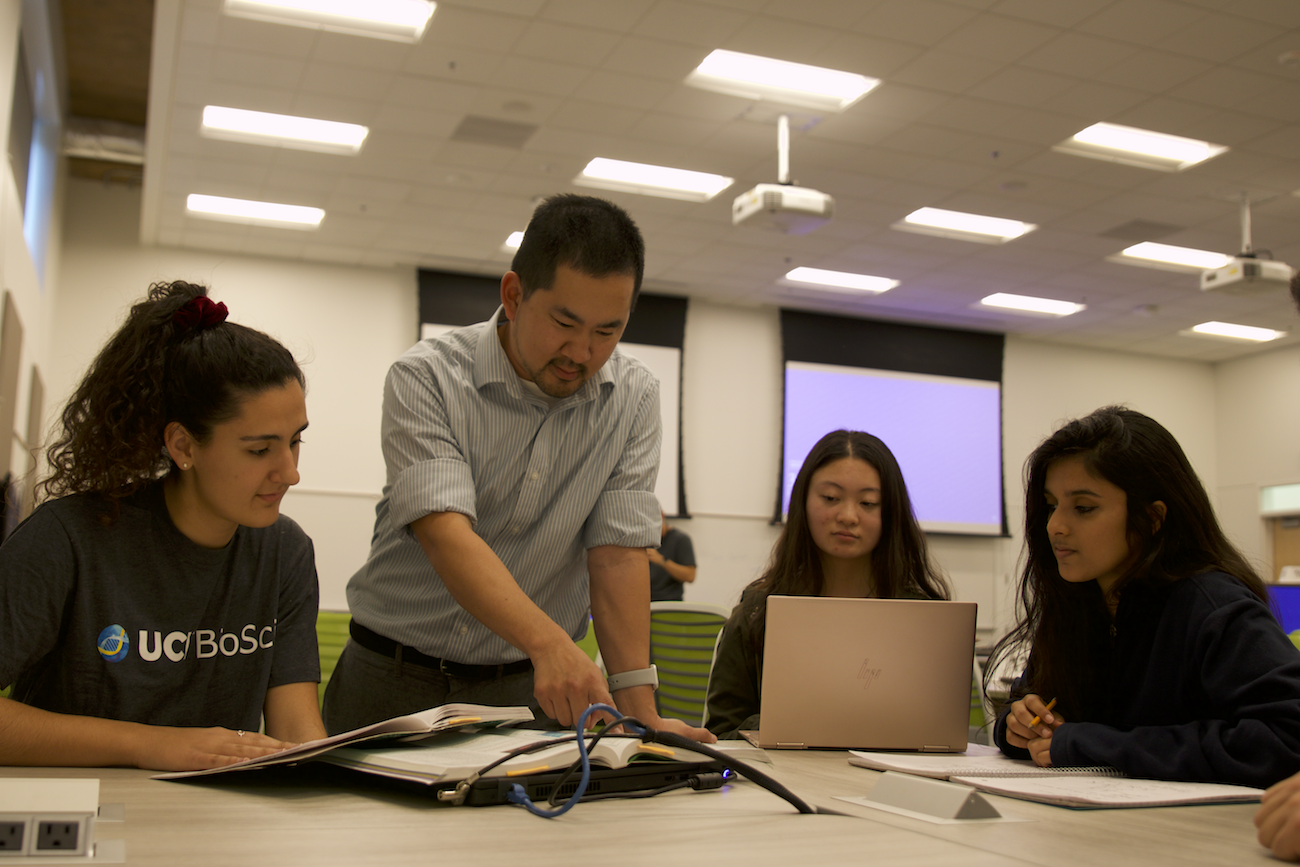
x=872 y=674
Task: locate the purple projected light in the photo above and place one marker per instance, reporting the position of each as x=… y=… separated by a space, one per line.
x=945 y=432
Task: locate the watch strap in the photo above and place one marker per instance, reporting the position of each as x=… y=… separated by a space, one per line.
x=636 y=677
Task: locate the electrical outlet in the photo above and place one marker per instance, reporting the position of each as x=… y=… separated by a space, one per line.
x=11 y=836
x=59 y=836
x=43 y=818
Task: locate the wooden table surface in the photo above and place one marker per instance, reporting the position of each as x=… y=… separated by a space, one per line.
x=320 y=816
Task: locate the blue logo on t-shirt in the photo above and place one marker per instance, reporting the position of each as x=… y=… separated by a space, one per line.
x=113 y=643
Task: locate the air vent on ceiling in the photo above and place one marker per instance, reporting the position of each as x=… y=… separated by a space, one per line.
x=487 y=130
x=93 y=138
x=1142 y=230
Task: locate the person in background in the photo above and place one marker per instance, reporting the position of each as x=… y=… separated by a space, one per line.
x=672 y=564
x=522 y=454
x=160 y=607
x=1149 y=629
x=850 y=531
x=1278 y=819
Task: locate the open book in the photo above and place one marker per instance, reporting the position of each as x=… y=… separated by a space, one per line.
x=406 y=729
x=457 y=755
x=987 y=769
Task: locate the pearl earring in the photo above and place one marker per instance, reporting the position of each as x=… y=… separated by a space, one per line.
x=185 y=466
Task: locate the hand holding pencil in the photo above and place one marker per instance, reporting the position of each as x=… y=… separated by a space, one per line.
x=1037 y=719
x=1030 y=723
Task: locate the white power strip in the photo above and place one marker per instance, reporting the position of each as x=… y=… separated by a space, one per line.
x=47 y=818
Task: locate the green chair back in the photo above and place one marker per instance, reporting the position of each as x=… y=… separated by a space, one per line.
x=1295 y=638
x=588 y=642
x=331 y=635
x=682 y=635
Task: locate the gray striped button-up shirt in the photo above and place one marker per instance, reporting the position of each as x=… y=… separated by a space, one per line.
x=542 y=484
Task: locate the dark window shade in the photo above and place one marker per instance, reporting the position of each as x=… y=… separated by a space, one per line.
x=867 y=343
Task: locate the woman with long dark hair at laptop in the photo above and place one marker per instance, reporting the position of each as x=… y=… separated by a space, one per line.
x=850 y=531
x=1145 y=626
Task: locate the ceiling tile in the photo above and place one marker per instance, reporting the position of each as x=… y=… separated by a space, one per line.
x=544 y=40
x=1021 y=86
x=969 y=125
x=945 y=71
x=787 y=40
x=620 y=17
x=1078 y=54
x=913 y=22
x=997 y=39
x=690 y=23
x=1057 y=13
x=1218 y=38
x=1142 y=22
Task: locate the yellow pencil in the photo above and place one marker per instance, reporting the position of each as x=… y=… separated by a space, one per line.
x=1036 y=720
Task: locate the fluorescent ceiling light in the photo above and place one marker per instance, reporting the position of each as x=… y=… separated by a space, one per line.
x=1169 y=257
x=398 y=20
x=513 y=242
x=647 y=180
x=1030 y=304
x=256 y=213
x=301 y=133
x=962 y=226
x=1236 y=332
x=754 y=77
x=1138 y=147
x=840 y=280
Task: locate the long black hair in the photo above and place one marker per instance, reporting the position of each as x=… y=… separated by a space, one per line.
x=900 y=562
x=158 y=368
x=1058 y=619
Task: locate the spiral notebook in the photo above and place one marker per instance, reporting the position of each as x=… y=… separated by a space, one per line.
x=988 y=770
x=977 y=761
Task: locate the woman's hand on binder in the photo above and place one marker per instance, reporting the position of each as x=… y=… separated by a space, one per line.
x=1278 y=819
x=1024 y=733
x=164 y=748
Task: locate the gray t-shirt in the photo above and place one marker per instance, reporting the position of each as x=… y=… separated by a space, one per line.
x=134 y=621
x=675 y=547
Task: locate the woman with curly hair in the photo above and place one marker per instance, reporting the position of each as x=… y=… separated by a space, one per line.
x=850 y=531
x=157 y=607
x=1146 y=626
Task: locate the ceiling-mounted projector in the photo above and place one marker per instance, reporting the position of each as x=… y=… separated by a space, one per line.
x=782 y=206
x=1247 y=274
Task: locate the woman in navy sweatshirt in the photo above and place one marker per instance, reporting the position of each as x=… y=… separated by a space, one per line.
x=1145 y=625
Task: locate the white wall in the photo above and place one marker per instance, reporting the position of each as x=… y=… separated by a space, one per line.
x=348 y=324
x=1045 y=384
x=1258 y=427
x=33 y=299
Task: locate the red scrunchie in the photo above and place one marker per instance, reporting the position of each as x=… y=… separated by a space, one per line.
x=198 y=314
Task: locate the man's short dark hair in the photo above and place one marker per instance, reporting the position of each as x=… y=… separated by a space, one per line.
x=589 y=235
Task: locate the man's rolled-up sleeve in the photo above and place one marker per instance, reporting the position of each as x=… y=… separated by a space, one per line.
x=626 y=512
x=427 y=468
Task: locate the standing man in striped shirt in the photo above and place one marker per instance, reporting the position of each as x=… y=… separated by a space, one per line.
x=522 y=455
